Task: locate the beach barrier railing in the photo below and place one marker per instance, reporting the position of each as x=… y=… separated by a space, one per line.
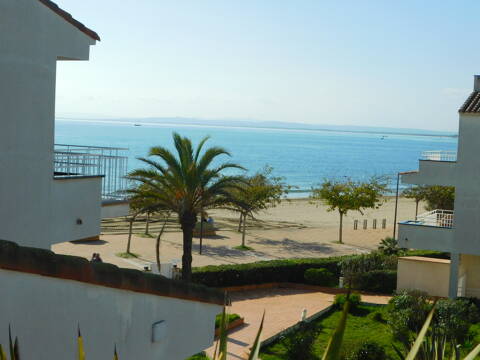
x=80 y=160
x=439 y=155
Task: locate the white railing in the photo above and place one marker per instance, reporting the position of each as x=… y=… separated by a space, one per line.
x=78 y=160
x=438 y=218
x=439 y=155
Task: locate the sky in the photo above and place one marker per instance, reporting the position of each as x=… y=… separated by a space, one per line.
x=403 y=64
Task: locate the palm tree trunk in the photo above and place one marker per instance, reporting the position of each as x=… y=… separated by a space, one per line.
x=147 y=224
x=416 y=208
x=340 y=229
x=187 y=222
x=240 y=222
x=244 y=228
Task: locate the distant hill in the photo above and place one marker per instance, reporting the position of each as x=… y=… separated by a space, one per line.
x=269 y=124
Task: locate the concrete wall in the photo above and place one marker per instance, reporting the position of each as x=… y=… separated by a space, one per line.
x=429 y=275
x=425 y=237
x=467 y=191
x=44 y=313
x=470 y=268
x=76 y=199
x=116 y=209
x=32 y=37
x=433 y=173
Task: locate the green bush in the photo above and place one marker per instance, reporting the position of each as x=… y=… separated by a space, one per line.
x=406 y=313
x=379 y=281
x=453 y=318
x=230 y=318
x=300 y=344
x=368 y=350
x=288 y=270
x=320 y=276
x=340 y=299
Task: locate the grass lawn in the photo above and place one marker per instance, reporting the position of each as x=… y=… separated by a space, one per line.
x=364 y=323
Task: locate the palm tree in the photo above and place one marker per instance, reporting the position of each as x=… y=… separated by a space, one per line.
x=186 y=183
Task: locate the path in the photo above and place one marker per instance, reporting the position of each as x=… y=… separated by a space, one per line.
x=283 y=308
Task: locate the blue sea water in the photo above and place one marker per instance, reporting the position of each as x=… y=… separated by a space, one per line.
x=303 y=157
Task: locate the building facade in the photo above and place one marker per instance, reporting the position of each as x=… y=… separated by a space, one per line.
x=455 y=231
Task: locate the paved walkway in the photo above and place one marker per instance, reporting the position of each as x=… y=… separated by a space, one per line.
x=283 y=308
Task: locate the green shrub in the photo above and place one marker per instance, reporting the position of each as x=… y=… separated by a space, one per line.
x=389 y=246
x=320 y=276
x=289 y=270
x=377 y=316
x=340 y=299
x=368 y=350
x=406 y=313
x=230 y=318
x=380 y=281
x=299 y=345
x=453 y=318
x=200 y=356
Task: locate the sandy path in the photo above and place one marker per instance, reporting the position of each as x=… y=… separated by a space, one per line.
x=292 y=229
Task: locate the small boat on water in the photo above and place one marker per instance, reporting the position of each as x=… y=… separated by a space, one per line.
x=137 y=125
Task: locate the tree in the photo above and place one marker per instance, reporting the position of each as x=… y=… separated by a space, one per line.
x=185 y=183
x=416 y=193
x=258 y=192
x=439 y=197
x=347 y=195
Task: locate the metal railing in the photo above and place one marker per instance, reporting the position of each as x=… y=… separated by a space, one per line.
x=439 y=155
x=438 y=218
x=79 y=160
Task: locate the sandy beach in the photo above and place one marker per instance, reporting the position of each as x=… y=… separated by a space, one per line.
x=293 y=229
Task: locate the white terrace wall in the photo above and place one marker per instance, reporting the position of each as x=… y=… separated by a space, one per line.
x=425 y=274
x=44 y=313
x=32 y=38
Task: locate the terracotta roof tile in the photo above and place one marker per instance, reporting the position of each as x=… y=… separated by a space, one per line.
x=472 y=104
x=69 y=18
x=47 y=263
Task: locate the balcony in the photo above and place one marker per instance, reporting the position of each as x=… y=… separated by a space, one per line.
x=75 y=161
x=429 y=231
x=439 y=155
x=435 y=168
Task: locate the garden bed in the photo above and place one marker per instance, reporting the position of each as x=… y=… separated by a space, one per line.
x=233 y=321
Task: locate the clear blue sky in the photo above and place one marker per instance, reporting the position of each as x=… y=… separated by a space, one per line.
x=380 y=63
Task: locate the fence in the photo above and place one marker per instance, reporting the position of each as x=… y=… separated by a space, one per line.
x=111 y=163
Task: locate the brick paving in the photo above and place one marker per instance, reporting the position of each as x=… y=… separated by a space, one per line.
x=283 y=308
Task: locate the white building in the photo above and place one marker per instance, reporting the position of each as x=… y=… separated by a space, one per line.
x=47 y=196
x=456 y=232
x=51 y=194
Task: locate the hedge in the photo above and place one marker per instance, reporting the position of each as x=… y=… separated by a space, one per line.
x=321 y=277
x=287 y=270
x=379 y=281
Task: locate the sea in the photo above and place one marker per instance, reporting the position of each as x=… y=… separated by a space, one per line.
x=304 y=158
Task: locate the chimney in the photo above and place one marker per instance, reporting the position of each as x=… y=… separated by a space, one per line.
x=476 y=82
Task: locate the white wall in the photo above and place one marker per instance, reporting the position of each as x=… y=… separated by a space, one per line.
x=467 y=191
x=44 y=313
x=112 y=210
x=425 y=237
x=32 y=37
x=433 y=173
x=429 y=275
